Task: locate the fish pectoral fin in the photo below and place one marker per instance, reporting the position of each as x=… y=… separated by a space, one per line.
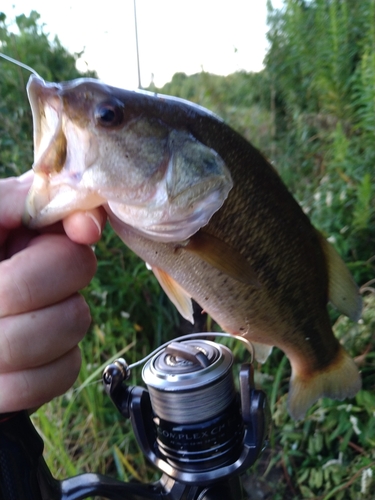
x=219 y=254
x=339 y=380
x=175 y=292
x=342 y=290
x=261 y=351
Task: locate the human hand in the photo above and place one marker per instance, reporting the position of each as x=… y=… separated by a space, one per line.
x=42 y=317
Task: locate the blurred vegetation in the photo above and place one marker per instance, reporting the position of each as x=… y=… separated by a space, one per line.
x=312 y=113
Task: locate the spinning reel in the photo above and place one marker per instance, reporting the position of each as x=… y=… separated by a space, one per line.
x=190 y=422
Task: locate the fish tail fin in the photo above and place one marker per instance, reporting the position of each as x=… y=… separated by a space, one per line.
x=339 y=380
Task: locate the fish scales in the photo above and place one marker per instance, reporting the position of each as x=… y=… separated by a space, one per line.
x=207 y=212
x=275 y=219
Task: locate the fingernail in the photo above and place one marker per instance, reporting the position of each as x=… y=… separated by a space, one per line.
x=95 y=220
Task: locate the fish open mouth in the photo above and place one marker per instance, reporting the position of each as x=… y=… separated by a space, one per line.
x=55 y=191
x=46 y=107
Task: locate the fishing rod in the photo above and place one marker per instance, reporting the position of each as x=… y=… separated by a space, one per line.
x=189 y=421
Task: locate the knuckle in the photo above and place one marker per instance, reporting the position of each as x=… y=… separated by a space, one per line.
x=79 y=315
x=15 y=291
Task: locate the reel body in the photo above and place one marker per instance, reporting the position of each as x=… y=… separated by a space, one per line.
x=191 y=423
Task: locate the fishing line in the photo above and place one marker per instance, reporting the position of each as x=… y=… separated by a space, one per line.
x=205 y=401
x=249 y=346
x=182 y=384
x=22 y=65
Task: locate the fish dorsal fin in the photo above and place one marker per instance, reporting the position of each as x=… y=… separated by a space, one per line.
x=175 y=293
x=219 y=254
x=342 y=290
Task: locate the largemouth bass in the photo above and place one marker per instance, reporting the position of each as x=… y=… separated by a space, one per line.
x=207 y=212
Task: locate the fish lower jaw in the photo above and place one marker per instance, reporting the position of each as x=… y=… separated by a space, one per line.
x=46 y=205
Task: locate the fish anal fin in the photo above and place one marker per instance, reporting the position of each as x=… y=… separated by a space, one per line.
x=175 y=292
x=222 y=256
x=342 y=290
x=340 y=380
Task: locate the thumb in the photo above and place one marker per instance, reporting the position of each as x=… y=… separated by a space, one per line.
x=13 y=191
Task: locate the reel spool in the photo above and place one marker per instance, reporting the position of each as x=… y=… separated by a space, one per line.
x=197 y=420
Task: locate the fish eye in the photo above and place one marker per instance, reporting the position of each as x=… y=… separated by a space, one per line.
x=109 y=114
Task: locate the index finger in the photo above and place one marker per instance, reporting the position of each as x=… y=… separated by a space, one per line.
x=50 y=269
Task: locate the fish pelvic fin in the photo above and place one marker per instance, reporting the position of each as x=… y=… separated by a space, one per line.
x=222 y=256
x=176 y=294
x=339 y=380
x=343 y=292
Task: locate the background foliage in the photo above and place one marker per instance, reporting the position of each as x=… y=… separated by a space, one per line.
x=312 y=112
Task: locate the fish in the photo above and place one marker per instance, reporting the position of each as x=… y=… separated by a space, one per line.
x=208 y=214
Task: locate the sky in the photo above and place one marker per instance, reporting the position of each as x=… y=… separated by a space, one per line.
x=173 y=35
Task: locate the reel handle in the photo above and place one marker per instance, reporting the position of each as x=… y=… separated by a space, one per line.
x=24 y=475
